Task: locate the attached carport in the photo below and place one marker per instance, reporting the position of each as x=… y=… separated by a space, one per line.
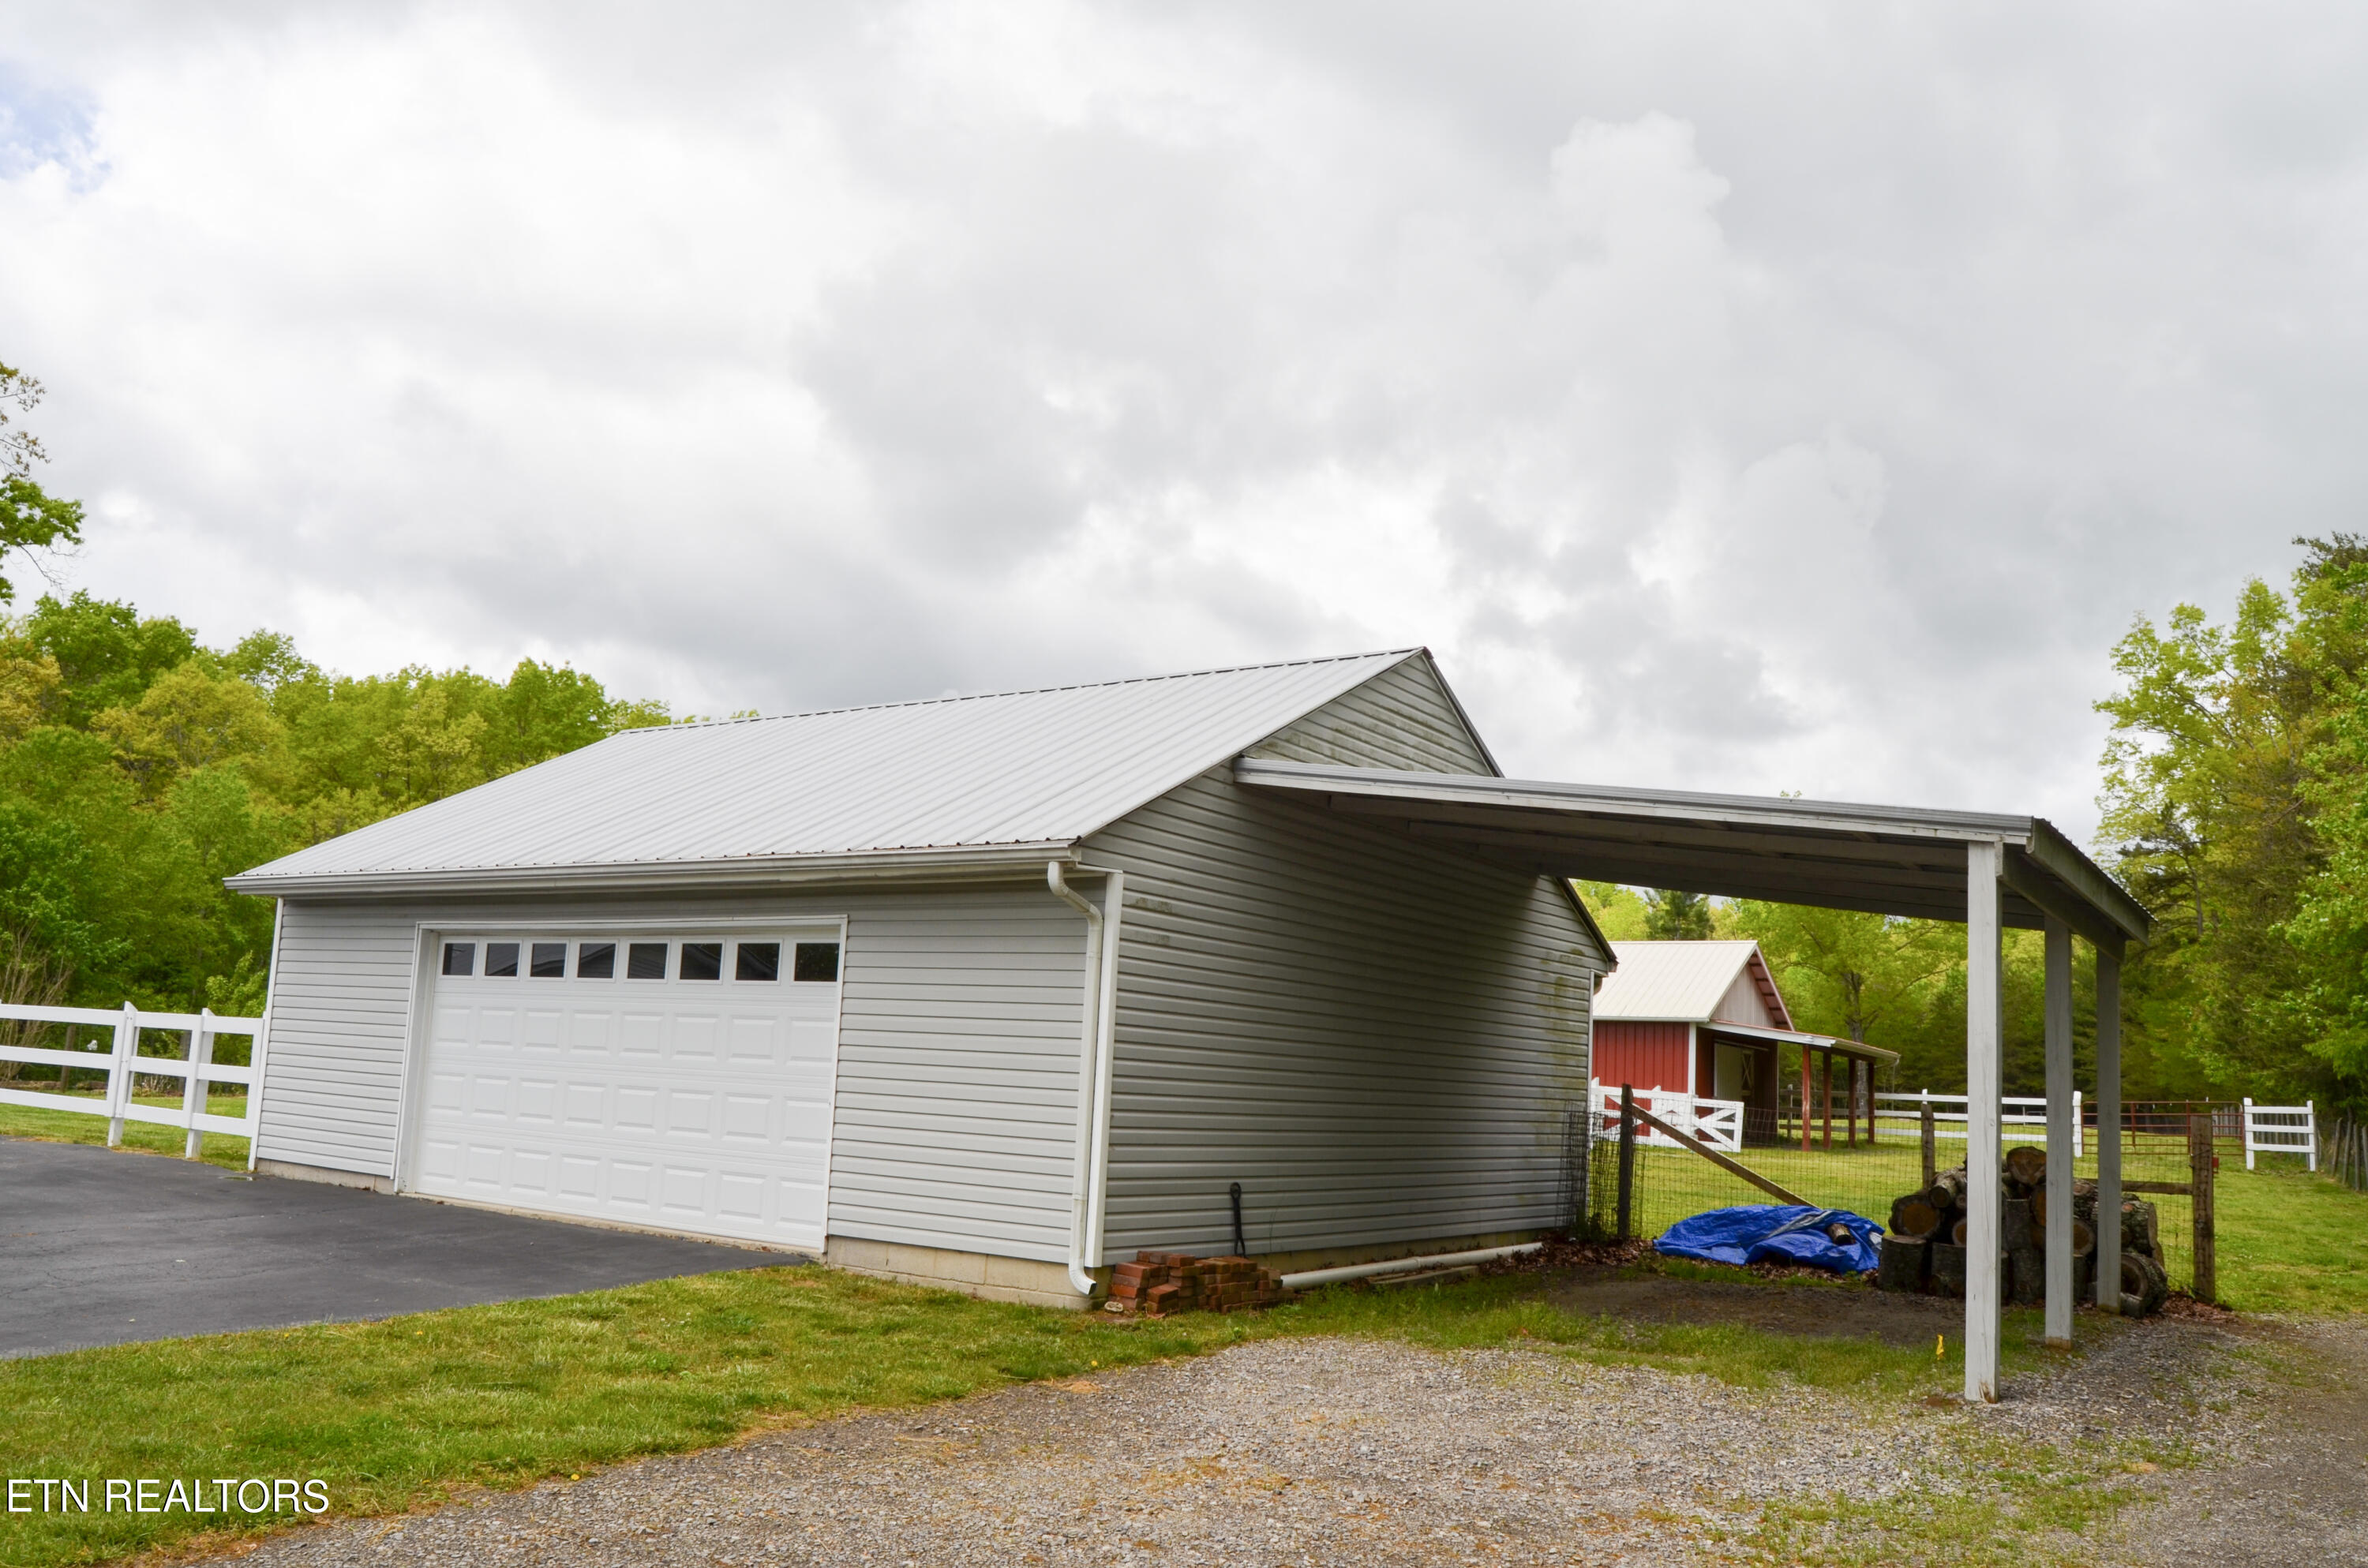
x=1989 y=871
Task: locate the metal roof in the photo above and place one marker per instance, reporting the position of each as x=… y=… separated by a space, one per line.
x=920 y=787
x=1889 y=859
x=1832 y=1044
x=1681 y=982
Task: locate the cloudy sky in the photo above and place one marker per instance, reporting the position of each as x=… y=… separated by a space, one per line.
x=1755 y=397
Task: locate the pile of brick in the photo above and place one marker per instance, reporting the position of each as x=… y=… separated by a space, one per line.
x=1159 y=1284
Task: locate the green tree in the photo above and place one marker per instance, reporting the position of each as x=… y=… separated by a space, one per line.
x=192 y=718
x=32 y=521
x=106 y=655
x=1848 y=973
x=1620 y=911
x=2233 y=776
x=1672 y=916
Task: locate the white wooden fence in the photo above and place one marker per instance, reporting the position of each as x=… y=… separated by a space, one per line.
x=1948 y=1113
x=2281 y=1130
x=1718 y=1123
x=196 y=1067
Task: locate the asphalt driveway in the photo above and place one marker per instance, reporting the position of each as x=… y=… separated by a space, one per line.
x=102 y=1247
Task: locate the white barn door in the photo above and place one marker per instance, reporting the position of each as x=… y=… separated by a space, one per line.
x=679 y=1082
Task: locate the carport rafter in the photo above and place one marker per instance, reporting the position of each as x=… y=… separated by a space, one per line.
x=1990 y=871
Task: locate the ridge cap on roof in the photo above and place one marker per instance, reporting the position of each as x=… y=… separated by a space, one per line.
x=1690 y=941
x=1023 y=691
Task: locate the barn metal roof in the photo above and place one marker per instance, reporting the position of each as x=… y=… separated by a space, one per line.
x=1682 y=982
x=1842 y=854
x=960 y=783
x=1833 y=1045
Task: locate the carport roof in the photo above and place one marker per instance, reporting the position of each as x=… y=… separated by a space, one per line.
x=1888 y=859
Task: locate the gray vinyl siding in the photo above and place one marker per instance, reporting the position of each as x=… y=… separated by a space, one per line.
x=1377 y=1037
x=959 y=1008
x=340 y=1011
x=1402 y=718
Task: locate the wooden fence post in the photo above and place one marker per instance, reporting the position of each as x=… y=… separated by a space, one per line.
x=1807 y=1083
x=1627 y=1158
x=2201 y=1159
x=1931 y=1150
x=1829 y=1102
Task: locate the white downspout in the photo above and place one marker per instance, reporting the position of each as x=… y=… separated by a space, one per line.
x=1096 y=1032
x=1106 y=1055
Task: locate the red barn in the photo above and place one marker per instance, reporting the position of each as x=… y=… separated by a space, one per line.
x=1705 y=1020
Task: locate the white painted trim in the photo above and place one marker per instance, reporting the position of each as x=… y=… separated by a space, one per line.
x=2109 y=1127
x=414 y=1047
x=2063 y=1121
x=752 y=873
x=481 y=929
x=1984 y=861
x=838 y=1024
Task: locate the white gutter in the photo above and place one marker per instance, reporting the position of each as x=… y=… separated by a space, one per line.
x=1316 y=1277
x=996 y=862
x=1096 y=1031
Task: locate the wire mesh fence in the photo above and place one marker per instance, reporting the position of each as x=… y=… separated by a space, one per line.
x=1864 y=1175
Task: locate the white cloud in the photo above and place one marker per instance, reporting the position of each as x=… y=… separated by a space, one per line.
x=1786 y=399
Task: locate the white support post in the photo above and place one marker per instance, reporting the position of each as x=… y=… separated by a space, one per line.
x=2109 y=1130
x=193 y=1100
x=2310 y=1133
x=2079 y=1126
x=2059 y=1133
x=2248 y=1114
x=1984 y=863
x=119 y=1076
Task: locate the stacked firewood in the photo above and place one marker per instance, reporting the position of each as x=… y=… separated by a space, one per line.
x=1924 y=1249
x=1159 y=1284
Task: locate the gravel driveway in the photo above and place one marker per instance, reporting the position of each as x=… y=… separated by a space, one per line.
x=1342 y=1452
x=1330 y=1451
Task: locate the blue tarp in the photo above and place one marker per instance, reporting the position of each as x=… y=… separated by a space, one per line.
x=1774 y=1232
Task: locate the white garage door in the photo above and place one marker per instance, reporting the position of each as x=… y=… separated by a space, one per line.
x=682 y=1082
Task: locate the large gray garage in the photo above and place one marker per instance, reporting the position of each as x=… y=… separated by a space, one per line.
x=982 y=991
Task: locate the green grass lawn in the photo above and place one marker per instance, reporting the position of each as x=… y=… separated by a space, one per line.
x=74 y=1126
x=2289 y=1241
x=404 y=1413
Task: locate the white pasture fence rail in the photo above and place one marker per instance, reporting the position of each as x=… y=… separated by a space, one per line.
x=1718 y=1123
x=2281 y=1130
x=1948 y=1113
x=196 y=1067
